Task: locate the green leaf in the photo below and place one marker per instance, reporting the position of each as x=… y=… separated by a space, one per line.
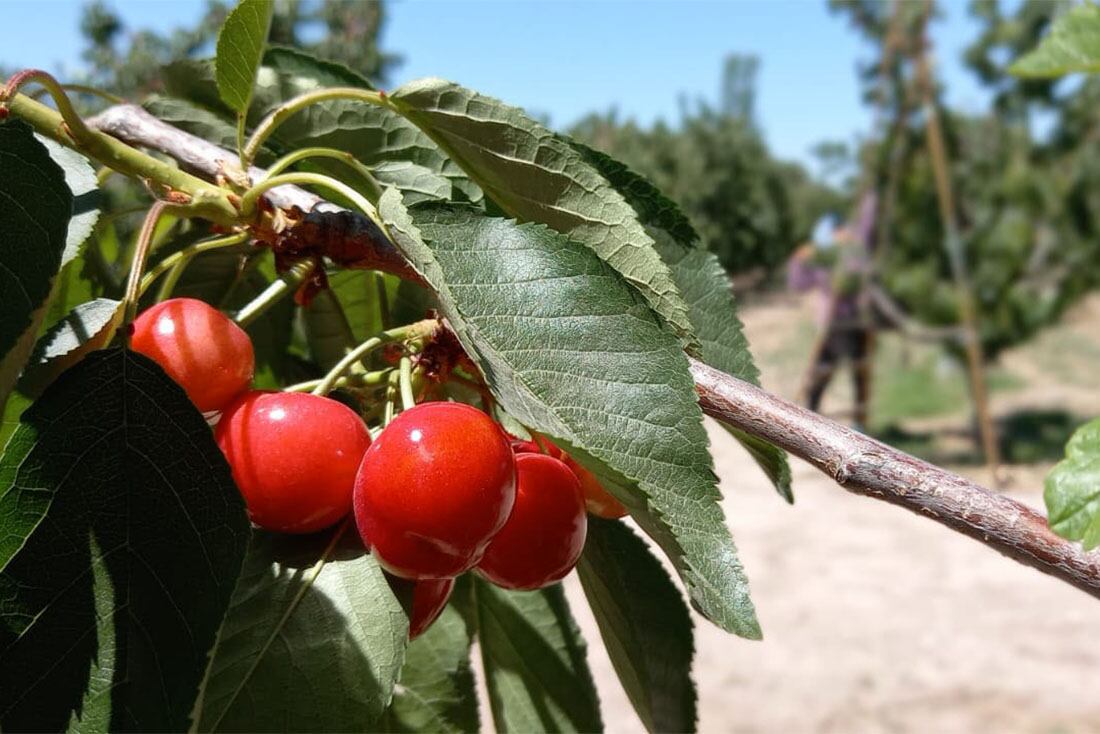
x=534 y=661
x=418 y=183
x=121 y=535
x=327 y=330
x=240 y=48
x=535 y=176
x=295 y=63
x=313 y=640
x=706 y=289
x=1072 y=491
x=645 y=625
x=35 y=205
x=360 y=296
x=435 y=690
x=1073 y=45
x=572 y=351
x=81 y=180
x=88 y=327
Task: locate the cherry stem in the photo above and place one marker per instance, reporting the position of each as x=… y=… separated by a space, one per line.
x=408 y=400
x=409 y=332
x=177 y=261
x=344 y=157
x=289 y=108
x=364 y=381
x=137 y=265
x=251 y=198
x=271 y=295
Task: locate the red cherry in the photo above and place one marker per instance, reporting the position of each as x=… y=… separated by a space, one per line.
x=199 y=347
x=294 y=457
x=544 y=537
x=434 y=489
x=597 y=499
x=429 y=598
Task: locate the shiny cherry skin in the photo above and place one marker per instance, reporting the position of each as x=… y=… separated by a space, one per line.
x=597 y=500
x=544 y=537
x=199 y=347
x=434 y=488
x=294 y=457
x=429 y=598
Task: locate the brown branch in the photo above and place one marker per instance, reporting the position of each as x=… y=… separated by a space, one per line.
x=316 y=226
x=868 y=467
x=859 y=464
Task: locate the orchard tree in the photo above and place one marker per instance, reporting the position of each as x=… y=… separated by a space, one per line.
x=279 y=461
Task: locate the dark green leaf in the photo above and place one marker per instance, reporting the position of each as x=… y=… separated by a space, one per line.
x=122 y=535
x=240 y=48
x=295 y=63
x=435 y=691
x=706 y=289
x=1073 y=45
x=35 y=205
x=645 y=625
x=88 y=327
x=534 y=661
x=1072 y=492
x=572 y=351
x=327 y=330
x=313 y=641
x=536 y=176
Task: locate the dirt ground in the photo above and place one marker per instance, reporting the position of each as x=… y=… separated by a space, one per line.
x=877 y=620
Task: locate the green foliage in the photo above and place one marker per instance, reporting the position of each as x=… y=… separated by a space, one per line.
x=537 y=177
x=644 y=623
x=312 y=641
x=1072 y=491
x=436 y=689
x=118 y=558
x=36 y=205
x=1073 y=45
x=87 y=328
x=508 y=290
x=534 y=660
x=240 y=48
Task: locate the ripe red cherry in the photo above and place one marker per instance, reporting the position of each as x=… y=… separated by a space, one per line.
x=199 y=347
x=429 y=598
x=544 y=537
x=294 y=457
x=433 y=490
x=597 y=499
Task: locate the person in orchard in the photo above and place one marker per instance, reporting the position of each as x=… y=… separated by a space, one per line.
x=836 y=264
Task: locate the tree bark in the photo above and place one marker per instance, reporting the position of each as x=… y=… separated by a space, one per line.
x=859 y=464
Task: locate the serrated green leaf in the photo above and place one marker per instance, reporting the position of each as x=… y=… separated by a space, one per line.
x=81 y=180
x=121 y=535
x=535 y=176
x=88 y=327
x=1072 y=490
x=35 y=205
x=313 y=640
x=416 y=182
x=1073 y=45
x=534 y=660
x=572 y=351
x=706 y=289
x=192 y=118
x=239 y=50
x=645 y=625
x=436 y=690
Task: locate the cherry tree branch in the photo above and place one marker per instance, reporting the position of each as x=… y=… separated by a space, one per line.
x=859 y=464
x=871 y=468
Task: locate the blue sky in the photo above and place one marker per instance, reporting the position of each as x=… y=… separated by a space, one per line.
x=564 y=58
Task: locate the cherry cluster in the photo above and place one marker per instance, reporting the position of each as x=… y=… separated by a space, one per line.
x=442 y=490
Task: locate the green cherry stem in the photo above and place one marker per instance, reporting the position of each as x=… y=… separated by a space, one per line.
x=137 y=265
x=177 y=261
x=291 y=107
x=362 y=381
x=271 y=295
x=405 y=380
x=288 y=160
x=251 y=198
x=415 y=330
